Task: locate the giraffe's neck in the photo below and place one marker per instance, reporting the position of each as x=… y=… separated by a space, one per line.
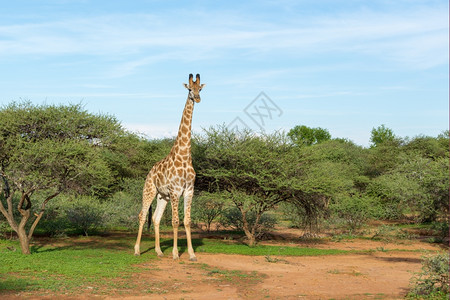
x=183 y=140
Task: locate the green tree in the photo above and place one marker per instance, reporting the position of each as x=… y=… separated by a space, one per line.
x=428 y=146
x=131 y=156
x=381 y=135
x=417 y=185
x=46 y=150
x=247 y=168
x=382 y=158
x=320 y=174
x=259 y=172
x=304 y=135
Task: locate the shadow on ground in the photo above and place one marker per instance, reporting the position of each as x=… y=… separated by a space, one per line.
x=112 y=242
x=182 y=245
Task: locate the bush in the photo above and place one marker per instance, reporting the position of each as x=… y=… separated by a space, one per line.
x=5 y=228
x=353 y=210
x=207 y=208
x=441 y=229
x=299 y=217
x=121 y=211
x=85 y=213
x=417 y=186
x=54 y=220
x=80 y=213
x=232 y=217
x=389 y=233
x=433 y=278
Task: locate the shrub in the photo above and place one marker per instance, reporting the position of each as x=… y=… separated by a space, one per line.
x=433 y=278
x=389 y=233
x=54 y=221
x=440 y=232
x=121 y=211
x=232 y=217
x=5 y=228
x=417 y=186
x=307 y=217
x=85 y=213
x=353 y=210
x=207 y=208
x=441 y=228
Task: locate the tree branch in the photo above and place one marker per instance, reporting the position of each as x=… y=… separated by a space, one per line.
x=41 y=212
x=3 y=211
x=9 y=215
x=7 y=193
x=19 y=206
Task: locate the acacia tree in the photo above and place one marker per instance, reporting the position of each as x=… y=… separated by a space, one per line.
x=318 y=175
x=47 y=150
x=245 y=168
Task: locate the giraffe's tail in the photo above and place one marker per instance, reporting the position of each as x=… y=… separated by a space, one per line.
x=149 y=223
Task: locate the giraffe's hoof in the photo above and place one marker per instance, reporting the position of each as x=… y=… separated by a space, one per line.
x=137 y=254
x=160 y=254
x=193 y=258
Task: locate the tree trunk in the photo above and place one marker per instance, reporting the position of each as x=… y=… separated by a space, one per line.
x=255 y=226
x=24 y=208
x=245 y=226
x=20 y=230
x=251 y=240
x=24 y=241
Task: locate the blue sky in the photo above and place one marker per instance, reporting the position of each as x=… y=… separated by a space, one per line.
x=346 y=66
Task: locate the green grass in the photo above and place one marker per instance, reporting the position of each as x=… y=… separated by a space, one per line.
x=214 y=246
x=224 y=247
x=63 y=268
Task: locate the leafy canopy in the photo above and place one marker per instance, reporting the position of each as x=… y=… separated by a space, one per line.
x=304 y=135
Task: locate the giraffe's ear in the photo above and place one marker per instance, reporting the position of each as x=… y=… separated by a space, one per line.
x=202 y=85
x=186 y=86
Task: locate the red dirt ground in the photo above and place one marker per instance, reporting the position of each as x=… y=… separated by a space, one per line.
x=378 y=274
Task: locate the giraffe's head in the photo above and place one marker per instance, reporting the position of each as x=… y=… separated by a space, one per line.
x=194 y=87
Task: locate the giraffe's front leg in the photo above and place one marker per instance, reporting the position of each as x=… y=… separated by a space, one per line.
x=175 y=223
x=188 y=194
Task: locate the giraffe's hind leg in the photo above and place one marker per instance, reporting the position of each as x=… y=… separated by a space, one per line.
x=187 y=221
x=174 y=197
x=147 y=198
x=161 y=203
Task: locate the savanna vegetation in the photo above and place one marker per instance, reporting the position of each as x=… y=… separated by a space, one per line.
x=65 y=171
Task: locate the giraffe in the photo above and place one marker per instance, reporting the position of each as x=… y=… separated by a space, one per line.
x=171 y=178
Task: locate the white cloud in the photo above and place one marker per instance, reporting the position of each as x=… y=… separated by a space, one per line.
x=416 y=38
x=152 y=131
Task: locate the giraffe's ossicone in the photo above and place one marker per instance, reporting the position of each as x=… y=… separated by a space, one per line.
x=171 y=178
